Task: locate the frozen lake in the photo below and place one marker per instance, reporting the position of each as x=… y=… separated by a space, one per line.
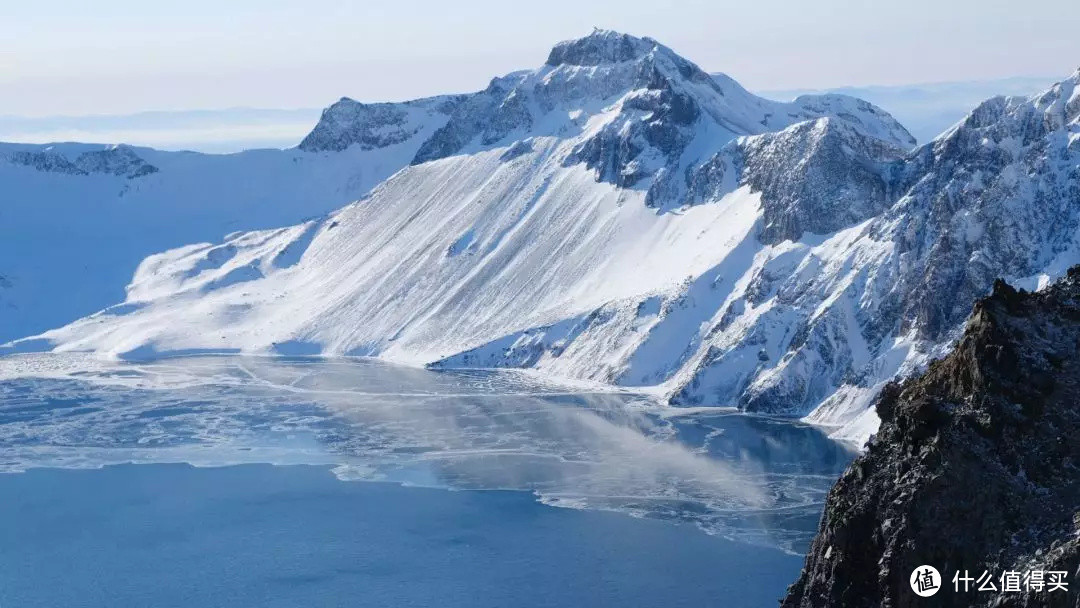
x=722 y=503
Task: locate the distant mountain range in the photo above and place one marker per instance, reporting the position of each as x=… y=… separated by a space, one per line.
x=213 y=131
x=924 y=109
x=613 y=216
x=928 y=109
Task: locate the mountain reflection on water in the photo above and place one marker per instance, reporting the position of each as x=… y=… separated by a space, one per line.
x=748 y=478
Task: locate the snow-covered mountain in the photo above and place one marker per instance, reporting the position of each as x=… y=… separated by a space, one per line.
x=926 y=110
x=77 y=219
x=617 y=215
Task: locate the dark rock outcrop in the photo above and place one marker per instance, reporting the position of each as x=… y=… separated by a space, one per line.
x=47 y=161
x=601 y=46
x=121 y=161
x=817 y=176
x=976 y=467
x=489 y=116
x=372 y=126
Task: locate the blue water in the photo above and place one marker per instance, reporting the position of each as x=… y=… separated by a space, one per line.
x=395 y=487
x=257 y=535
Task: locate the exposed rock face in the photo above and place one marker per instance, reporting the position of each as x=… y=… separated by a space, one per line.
x=999 y=195
x=121 y=161
x=817 y=176
x=659 y=119
x=115 y=160
x=375 y=125
x=976 y=467
x=487 y=116
x=600 y=47
x=48 y=161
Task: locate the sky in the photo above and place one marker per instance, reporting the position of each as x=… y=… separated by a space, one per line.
x=72 y=57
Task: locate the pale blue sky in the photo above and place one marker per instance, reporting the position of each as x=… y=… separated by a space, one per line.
x=117 y=56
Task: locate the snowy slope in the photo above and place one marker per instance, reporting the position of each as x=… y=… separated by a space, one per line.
x=616 y=215
x=76 y=219
x=813 y=316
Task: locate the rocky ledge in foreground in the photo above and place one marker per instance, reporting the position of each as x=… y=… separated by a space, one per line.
x=975 y=468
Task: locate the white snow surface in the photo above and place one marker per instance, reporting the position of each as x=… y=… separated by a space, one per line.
x=437 y=260
x=69 y=242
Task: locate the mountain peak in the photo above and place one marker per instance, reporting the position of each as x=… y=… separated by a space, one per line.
x=651 y=103
x=1061 y=102
x=600 y=47
x=371 y=126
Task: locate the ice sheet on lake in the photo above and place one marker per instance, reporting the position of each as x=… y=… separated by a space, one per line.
x=750 y=478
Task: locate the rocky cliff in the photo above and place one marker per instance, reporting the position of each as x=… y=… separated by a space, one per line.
x=976 y=467
x=120 y=160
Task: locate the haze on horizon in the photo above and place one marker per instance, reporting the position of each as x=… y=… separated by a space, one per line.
x=69 y=57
